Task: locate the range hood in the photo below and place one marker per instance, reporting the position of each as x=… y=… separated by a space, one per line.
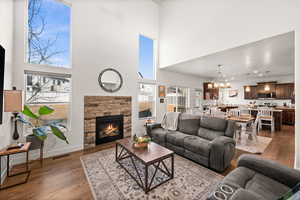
x=266 y=90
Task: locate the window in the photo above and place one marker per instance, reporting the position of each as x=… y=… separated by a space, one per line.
x=146 y=100
x=48 y=41
x=53 y=90
x=146 y=58
x=178 y=99
x=43 y=88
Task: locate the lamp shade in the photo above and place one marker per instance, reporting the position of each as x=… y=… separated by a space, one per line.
x=13 y=101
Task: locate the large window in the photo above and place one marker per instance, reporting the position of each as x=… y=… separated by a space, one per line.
x=146 y=58
x=146 y=100
x=48 y=41
x=177 y=99
x=53 y=90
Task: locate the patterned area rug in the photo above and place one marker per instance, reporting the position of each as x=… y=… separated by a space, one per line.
x=253 y=146
x=109 y=181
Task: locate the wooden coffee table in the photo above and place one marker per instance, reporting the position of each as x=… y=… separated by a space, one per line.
x=153 y=156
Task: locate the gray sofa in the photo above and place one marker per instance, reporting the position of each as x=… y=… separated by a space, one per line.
x=205 y=140
x=261 y=179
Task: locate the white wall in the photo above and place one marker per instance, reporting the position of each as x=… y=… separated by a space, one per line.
x=193 y=28
x=239 y=85
x=6 y=40
x=108 y=37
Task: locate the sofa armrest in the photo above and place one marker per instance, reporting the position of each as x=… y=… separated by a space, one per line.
x=150 y=127
x=231 y=126
x=287 y=176
x=221 y=153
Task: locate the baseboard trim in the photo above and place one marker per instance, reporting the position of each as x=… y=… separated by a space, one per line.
x=34 y=155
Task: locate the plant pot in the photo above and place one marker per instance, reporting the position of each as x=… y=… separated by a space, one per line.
x=36 y=143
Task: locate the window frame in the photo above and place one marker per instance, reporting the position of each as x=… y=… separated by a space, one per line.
x=43 y=73
x=69 y=68
x=155 y=56
x=154 y=97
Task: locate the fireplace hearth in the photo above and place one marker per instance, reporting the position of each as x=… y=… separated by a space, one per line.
x=109 y=128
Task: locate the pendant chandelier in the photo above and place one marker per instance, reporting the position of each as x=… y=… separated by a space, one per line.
x=219 y=82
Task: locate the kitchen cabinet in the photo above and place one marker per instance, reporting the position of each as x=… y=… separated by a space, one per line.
x=285 y=91
x=276 y=90
x=252 y=94
x=210 y=93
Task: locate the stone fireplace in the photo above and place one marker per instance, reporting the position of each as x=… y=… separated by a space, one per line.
x=106 y=118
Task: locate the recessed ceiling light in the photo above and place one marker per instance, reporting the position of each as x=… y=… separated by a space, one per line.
x=255 y=71
x=232 y=78
x=260 y=74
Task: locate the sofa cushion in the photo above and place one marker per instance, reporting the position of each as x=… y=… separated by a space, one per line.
x=209 y=134
x=197 y=145
x=159 y=135
x=176 y=138
x=189 y=124
x=213 y=123
x=256 y=183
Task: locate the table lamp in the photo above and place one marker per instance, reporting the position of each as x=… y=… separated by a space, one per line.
x=13 y=103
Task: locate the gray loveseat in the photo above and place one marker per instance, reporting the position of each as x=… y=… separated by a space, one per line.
x=256 y=178
x=205 y=140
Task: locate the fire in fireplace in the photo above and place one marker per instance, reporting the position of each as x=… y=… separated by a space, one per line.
x=109 y=128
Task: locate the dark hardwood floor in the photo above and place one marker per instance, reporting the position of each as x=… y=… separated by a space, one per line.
x=63 y=178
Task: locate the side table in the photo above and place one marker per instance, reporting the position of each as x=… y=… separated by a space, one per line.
x=8 y=153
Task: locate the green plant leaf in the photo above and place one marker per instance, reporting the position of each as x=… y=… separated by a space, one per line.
x=58 y=133
x=29 y=113
x=39 y=133
x=45 y=110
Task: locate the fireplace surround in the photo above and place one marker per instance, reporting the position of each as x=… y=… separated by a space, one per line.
x=104 y=106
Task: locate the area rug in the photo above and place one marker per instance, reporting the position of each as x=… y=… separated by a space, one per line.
x=253 y=146
x=108 y=181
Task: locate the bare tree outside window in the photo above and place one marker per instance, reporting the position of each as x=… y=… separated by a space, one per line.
x=48 y=33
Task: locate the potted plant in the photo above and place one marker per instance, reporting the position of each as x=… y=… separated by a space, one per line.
x=40 y=127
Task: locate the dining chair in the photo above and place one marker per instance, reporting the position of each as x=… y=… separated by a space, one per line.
x=233 y=112
x=266 y=119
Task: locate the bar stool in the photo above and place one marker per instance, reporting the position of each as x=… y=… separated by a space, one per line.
x=266 y=115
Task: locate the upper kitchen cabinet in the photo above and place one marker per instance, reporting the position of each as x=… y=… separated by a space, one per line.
x=266 y=90
x=250 y=92
x=285 y=91
x=269 y=90
x=210 y=93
